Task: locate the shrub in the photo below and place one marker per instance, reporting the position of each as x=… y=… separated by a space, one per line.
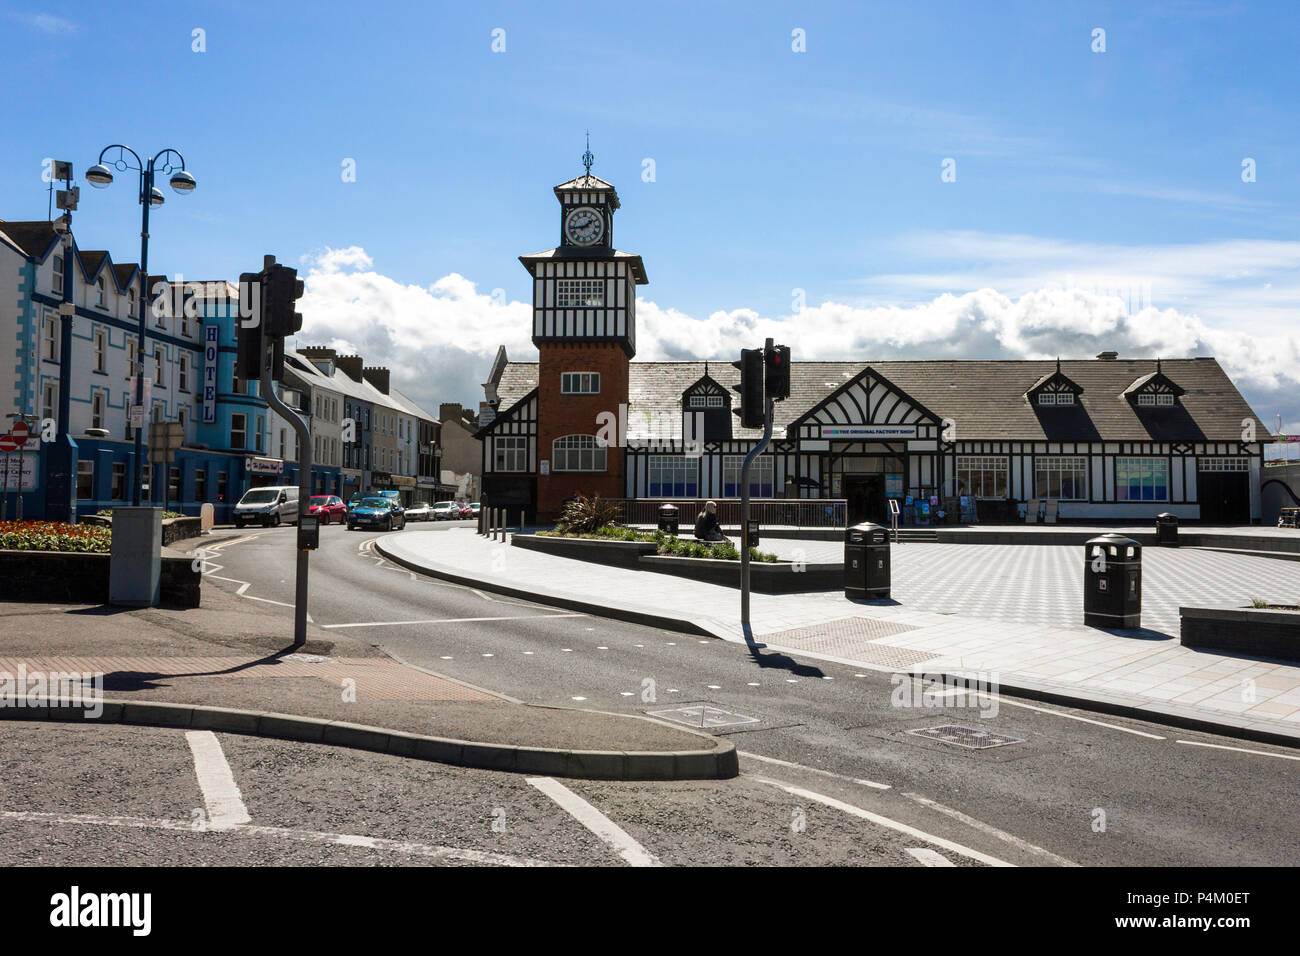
x=585 y=515
x=54 y=536
x=108 y=513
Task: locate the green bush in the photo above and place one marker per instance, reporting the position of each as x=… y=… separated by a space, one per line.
x=667 y=545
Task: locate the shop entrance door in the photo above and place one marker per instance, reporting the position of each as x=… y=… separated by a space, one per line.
x=865 y=498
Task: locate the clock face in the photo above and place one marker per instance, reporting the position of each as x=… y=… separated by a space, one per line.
x=584 y=226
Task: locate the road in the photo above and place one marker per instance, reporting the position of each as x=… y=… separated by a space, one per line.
x=824 y=739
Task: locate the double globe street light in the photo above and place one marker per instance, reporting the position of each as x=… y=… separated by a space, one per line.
x=100 y=176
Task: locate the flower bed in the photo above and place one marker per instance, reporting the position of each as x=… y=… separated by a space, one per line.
x=666 y=545
x=54 y=536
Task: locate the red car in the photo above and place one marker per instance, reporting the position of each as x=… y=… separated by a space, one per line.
x=465 y=510
x=330 y=508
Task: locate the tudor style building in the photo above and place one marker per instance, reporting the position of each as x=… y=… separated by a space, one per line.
x=1105 y=438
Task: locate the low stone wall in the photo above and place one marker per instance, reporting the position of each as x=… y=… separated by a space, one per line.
x=178 y=529
x=82 y=578
x=776 y=578
x=1252 y=632
x=621 y=554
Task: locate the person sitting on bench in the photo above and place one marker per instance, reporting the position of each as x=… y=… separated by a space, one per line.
x=706 y=524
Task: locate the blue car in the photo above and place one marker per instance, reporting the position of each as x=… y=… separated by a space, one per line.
x=382 y=514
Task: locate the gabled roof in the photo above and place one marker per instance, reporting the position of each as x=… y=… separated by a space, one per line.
x=1158 y=380
x=123 y=273
x=588 y=183
x=587 y=255
x=985 y=398
x=34 y=239
x=92 y=262
x=1057 y=378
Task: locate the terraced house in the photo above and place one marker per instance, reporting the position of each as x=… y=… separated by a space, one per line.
x=1108 y=438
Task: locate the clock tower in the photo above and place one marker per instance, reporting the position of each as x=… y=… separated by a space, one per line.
x=584 y=327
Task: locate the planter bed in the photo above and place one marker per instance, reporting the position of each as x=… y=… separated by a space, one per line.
x=765 y=577
x=78 y=577
x=1248 y=631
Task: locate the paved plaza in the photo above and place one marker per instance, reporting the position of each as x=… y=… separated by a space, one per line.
x=1014 y=611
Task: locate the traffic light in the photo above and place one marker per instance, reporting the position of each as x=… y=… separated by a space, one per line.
x=751 y=411
x=248 y=355
x=285 y=288
x=776 y=372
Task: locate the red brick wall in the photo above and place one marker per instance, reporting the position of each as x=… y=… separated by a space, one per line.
x=560 y=415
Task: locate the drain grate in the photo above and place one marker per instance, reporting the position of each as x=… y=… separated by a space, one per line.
x=967 y=737
x=702 y=715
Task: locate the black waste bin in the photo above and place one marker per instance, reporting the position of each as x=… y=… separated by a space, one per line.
x=1112 y=582
x=866 y=561
x=1167 y=530
x=669 y=519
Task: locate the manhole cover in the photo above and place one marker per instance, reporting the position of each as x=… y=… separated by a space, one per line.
x=967 y=737
x=702 y=715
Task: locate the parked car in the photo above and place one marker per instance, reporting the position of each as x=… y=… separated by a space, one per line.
x=474 y=507
x=445 y=511
x=376 y=512
x=419 y=511
x=465 y=510
x=267 y=506
x=329 y=508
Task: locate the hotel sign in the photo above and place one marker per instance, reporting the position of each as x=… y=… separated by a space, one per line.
x=210 y=356
x=859 y=432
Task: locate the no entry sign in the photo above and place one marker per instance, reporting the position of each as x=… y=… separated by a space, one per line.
x=19 y=432
x=8 y=443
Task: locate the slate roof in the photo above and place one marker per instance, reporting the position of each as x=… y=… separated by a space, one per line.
x=33 y=238
x=588 y=255
x=591 y=184
x=986 y=399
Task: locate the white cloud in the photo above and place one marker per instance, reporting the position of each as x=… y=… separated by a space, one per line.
x=46 y=22
x=440 y=340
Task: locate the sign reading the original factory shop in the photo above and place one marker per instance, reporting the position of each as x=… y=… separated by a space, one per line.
x=859 y=432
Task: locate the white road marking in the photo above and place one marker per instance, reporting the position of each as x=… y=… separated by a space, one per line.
x=595 y=821
x=307 y=836
x=220 y=792
x=1240 y=750
x=1084 y=720
x=928 y=857
x=991 y=830
x=447 y=620
x=885 y=822
x=825 y=773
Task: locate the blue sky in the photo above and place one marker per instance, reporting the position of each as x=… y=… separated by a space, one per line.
x=1077 y=172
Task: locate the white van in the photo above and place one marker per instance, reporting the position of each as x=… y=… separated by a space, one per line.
x=268 y=506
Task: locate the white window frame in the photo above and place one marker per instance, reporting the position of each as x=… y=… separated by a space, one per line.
x=510 y=453
x=101 y=292
x=976 y=470
x=578 y=453
x=98 y=408
x=56 y=270
x=1140 y=463
x=101 y=350
x=242 y=431
x=676 y=469
x=760 y=476
x=1216 y=463
x=183 y=373
x=579 y=383
x=50 y=399
x=49 y=336
x=1058 y=465
x=580 y=294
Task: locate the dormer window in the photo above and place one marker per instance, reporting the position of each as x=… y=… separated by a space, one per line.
x=705 y=401
x=101 y=293
x=1156 y=398
x=58 y=274
x=1056 y=398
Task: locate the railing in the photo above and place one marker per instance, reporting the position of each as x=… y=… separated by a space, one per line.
x=769 y=512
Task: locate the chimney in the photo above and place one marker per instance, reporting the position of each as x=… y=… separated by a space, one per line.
x=350 y=365
x=450 y=412
x=378 y=377
x=1107 y=356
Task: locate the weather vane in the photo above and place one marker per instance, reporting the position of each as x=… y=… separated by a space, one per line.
x=587 y=158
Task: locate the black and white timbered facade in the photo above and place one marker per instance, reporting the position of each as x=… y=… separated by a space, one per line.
x=1099 y=439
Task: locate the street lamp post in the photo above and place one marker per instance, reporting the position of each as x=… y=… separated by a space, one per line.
x=100 y=176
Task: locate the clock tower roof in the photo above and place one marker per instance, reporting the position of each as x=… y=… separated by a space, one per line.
x=585 y=255
x=588 y=184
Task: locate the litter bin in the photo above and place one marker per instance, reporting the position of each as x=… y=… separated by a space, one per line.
x=669 y=519
x=1112 y=582
x=1167 y=530
x=866 y=561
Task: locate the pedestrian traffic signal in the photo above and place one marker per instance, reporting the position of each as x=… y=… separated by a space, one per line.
x=248 y=328
x=776 y=372
x=285 y=288
x=751 y=411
